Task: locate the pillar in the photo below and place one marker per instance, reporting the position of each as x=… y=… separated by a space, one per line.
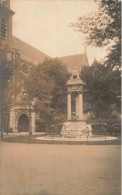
x=80 y=106
x=12 y=121
x=69 y=106
x=77 y=106
x=33 y=121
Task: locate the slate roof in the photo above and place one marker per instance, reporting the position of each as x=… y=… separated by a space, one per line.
x=75 y=61
x=35 y=56
x=27 y=52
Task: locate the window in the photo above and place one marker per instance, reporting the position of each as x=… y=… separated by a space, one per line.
x=3 y=1
x=3 y=29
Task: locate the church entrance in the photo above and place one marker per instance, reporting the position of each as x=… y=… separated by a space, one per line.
x=23 y=123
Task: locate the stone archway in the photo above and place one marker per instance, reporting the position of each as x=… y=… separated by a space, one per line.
x=23 y=123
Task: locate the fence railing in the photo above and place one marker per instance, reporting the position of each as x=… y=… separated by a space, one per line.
x=52 y=138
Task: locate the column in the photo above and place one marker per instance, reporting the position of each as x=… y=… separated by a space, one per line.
x=80 y=106
x=30 y=122
x=69 y=106
x=33 y=121
x=77 y=105
x=12 y=121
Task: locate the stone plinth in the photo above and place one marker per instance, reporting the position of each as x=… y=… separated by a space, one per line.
x=76 y=129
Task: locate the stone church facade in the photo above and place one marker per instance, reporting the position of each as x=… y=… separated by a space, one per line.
x=22 y=55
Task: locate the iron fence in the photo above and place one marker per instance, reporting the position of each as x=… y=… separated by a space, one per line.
x=54 y=138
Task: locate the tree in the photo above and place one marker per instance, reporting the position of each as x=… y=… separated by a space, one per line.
x=103 y=80
x=5 y=75
x=102 y=88
x=46 y=86
x=59 y=74
x=104 y=28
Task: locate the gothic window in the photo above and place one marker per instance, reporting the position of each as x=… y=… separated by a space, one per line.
x=3 y=29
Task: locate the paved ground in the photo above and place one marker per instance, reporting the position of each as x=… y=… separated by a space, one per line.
x=36 y=169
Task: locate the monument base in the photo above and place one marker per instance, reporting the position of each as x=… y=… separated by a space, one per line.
x=76 y=129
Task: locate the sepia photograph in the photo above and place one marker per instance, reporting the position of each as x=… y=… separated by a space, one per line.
x=60 y=97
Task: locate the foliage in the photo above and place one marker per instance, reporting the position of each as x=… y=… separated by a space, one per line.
x=5 y=75
x=58 y=73
x=102 y=88
x=103 y=81
x=6 y=71
x=103 y=28
x=45 y=85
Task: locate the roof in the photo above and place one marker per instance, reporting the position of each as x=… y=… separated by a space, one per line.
x=27 y=52
x=35 y=56
x=75 y=61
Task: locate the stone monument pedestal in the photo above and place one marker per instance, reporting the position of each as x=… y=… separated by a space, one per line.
x=73 y=129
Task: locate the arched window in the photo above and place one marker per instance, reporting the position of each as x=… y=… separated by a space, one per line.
x=3 y=29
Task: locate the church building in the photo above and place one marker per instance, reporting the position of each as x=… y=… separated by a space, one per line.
x=24 y=55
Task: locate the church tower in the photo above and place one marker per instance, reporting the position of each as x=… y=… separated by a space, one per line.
x=5 y=28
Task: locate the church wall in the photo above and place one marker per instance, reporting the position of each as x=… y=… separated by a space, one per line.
x=21 y=65
x=7 y=14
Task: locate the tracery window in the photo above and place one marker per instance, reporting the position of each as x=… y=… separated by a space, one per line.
x=3 y=29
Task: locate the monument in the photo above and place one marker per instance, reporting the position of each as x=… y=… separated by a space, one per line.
x=75 y=126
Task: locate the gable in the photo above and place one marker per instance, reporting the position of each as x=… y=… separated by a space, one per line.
x=75 y=61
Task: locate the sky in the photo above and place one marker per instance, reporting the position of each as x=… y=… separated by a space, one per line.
x=45 y=24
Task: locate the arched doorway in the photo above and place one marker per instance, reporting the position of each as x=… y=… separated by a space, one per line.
x=23 y=123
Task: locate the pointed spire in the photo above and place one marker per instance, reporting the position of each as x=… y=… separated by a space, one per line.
x=85 y=58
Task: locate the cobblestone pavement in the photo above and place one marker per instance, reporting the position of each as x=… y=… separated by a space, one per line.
x=27 y=169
